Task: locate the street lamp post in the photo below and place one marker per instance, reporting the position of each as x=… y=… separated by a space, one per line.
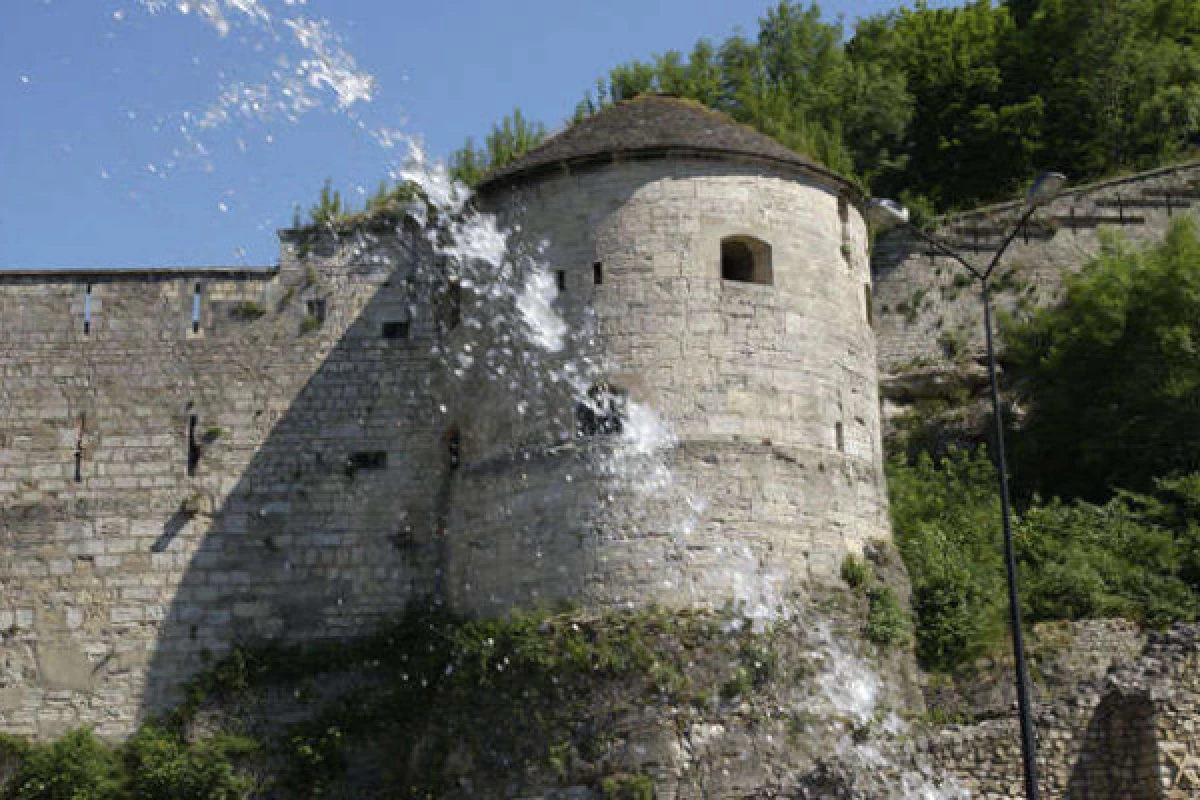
x=889 y=213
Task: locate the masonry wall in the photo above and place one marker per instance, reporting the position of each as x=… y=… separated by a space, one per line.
x=1128 y=732
x=764 y=496
x=121 y=566
x=930 y=316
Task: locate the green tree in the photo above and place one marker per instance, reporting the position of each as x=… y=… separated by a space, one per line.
x=1121 y=80
x=973 y=135
x=1112 y=375
x=510 y=139
x=1132 y=557
x=792 y=81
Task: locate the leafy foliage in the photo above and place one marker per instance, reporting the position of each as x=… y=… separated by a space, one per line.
x=1132 y=557
x=627 y=787
x=856 y=571
x=887 y=621
x=153 y=765
x=1112 y=375
x=794 y=81
x=162 y=766
x=76 y=767
x=329 y=208
x=512 y=138
x=941 y=107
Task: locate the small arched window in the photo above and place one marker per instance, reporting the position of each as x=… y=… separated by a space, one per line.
x=746 y=260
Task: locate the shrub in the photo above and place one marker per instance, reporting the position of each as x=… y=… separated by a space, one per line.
x=856 y=572
x=887 y=622
x=627 y=787
x=248 y=310
x=76 y=767
x=309 y=324
x=316 y=761
x=163 y=767
x=1132 y=557
x=953 y=343
x=329 y=209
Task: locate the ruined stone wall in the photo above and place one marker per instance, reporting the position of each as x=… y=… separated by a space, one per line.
x=928 y=314
x=168 y=487
x=1130 y=733
x=768 y=390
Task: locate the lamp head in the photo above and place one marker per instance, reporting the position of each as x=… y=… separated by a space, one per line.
x=1045 y=188
x=887 y=213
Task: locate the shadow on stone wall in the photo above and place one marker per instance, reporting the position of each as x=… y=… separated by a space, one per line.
x=330 y=526
x=1118 y=759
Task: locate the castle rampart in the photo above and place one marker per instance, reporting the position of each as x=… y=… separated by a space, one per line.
x=179 y=468
x=193 y=458
x=928 y=313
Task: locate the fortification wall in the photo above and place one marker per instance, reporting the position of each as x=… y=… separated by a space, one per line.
x=168 y=486
x=1127 y=734
x=189 y=459
x=769 y=392
x=929 y=316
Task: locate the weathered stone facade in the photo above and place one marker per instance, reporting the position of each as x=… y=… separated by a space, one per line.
x=769 y=391
x=1110 y=723
x=167 y=487
x=189 y=459
x=928 y=313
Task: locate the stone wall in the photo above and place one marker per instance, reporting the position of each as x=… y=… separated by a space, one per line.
x=929 y=317
x=168 y=487
x=1129 y=733
x=768 y=390
x=189 y=459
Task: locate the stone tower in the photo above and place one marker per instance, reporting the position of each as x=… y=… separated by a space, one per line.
x=195 y=458
x=725 y=286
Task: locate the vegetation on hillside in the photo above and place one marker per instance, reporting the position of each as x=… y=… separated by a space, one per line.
x=1112 y=378
x=1134 y=556
x=943 y=107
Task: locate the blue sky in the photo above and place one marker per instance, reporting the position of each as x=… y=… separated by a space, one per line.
x=94 y=168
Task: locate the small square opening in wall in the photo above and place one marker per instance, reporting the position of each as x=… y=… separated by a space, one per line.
x=396 y=329
x=366 y=460
x=745 y=259
x=598 y=273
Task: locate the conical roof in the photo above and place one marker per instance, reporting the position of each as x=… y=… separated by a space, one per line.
x=652 y=126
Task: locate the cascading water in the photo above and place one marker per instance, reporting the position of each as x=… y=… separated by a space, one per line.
x=515 y=340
